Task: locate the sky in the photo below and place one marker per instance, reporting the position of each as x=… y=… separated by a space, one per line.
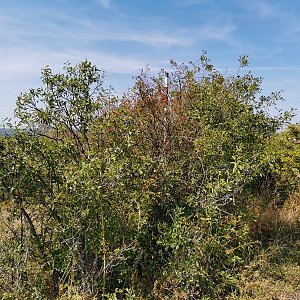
x=123 y=37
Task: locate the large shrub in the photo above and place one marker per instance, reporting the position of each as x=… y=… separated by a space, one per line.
x=139 y=195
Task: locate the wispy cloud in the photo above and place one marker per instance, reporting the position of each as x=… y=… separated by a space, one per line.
x=18 y=32
x=105 y=3
x=220 y=32
x=223 y=33
x=260 y=8
x=30 y=48
x=155 y=39
x=27 y=62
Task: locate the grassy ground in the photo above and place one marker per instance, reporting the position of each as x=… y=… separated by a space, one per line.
x=275 y=273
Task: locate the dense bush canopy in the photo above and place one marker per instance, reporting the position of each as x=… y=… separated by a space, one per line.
x=140 y=196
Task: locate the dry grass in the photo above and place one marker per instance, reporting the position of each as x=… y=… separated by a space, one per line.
x=290 y=213
x=269 y=222
x=275 y=273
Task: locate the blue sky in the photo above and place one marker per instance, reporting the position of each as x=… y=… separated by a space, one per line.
x=123 y=36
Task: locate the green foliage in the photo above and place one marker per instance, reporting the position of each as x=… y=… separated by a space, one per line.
x=283 y=160
x=208 y=253
x=132 y=198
